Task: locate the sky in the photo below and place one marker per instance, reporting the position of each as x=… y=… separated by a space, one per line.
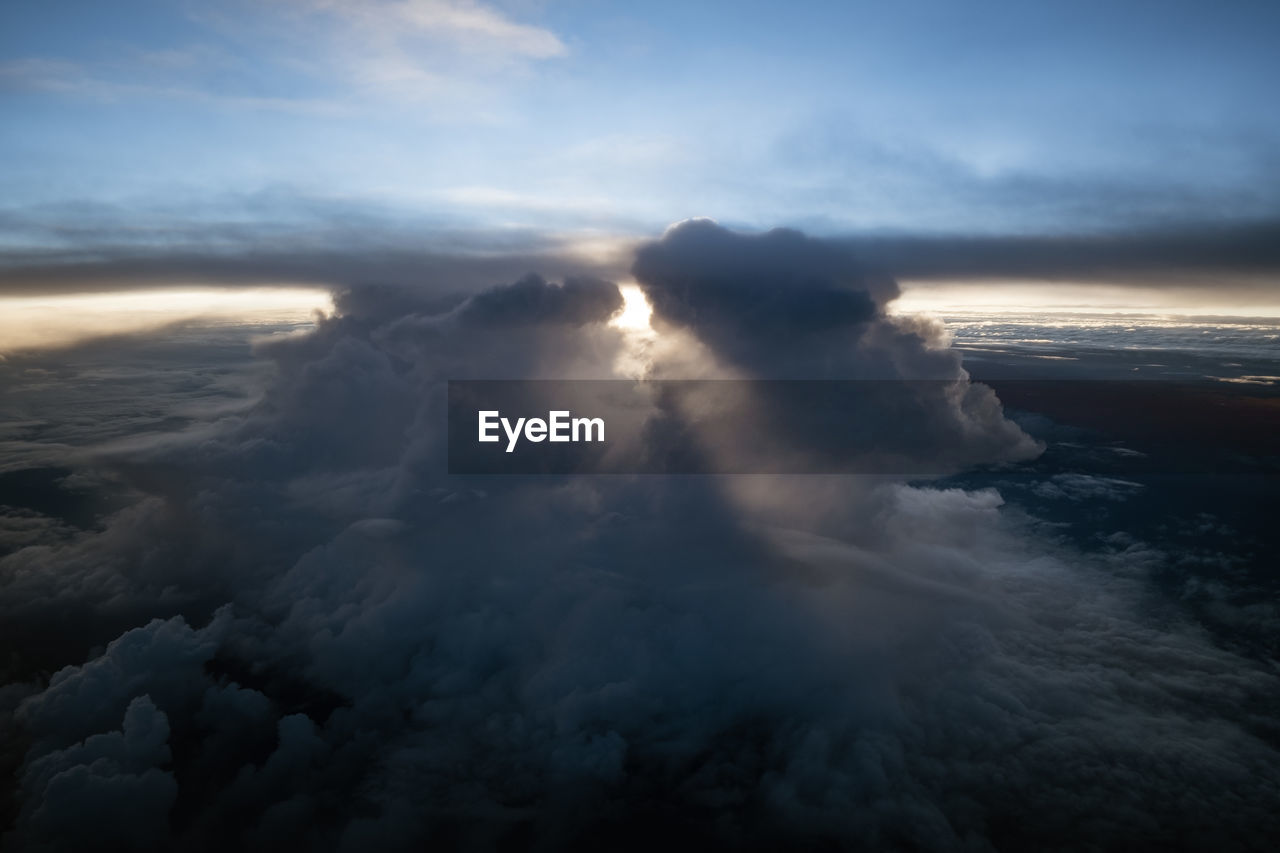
x=220 y=124
x=247 y=603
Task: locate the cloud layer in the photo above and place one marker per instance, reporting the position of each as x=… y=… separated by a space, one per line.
x=309 y=635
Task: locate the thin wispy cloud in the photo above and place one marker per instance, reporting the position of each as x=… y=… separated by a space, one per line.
x=312 y=57
x=115 y=84
x=474 y=25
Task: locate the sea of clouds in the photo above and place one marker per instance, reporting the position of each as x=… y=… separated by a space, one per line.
x=304 y=633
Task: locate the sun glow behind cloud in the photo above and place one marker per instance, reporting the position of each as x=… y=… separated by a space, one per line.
x=34 y=322
x=634 y=322
x=635 y=311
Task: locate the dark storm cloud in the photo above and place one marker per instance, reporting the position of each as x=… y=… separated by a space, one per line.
x=532 y=301
x=386 y=657
x=761 y=292
x=782 y=305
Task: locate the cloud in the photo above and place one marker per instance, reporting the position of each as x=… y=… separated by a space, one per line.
x=532 y=301
x=417 y=50
x=151 y=80
x=107 y=790
x=42 y=75
x=463 y=21
x=281 y=236
x=1085 y=487
x=763 y=289
x=781 y=305
x=425 y=51
x=1029 y=177
x=1173 y=255
x=89 y=246
x=350 y=648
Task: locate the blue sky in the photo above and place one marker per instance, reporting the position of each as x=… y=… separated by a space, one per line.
x=146 y=118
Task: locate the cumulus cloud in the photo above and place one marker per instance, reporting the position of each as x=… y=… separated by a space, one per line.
x=781 y=305
x=353 y=649
x=107 y=790
x=757 y=292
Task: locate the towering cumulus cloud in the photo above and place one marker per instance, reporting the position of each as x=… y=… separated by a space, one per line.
x=307 y=634
x=784 y=306
x=756 y=298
